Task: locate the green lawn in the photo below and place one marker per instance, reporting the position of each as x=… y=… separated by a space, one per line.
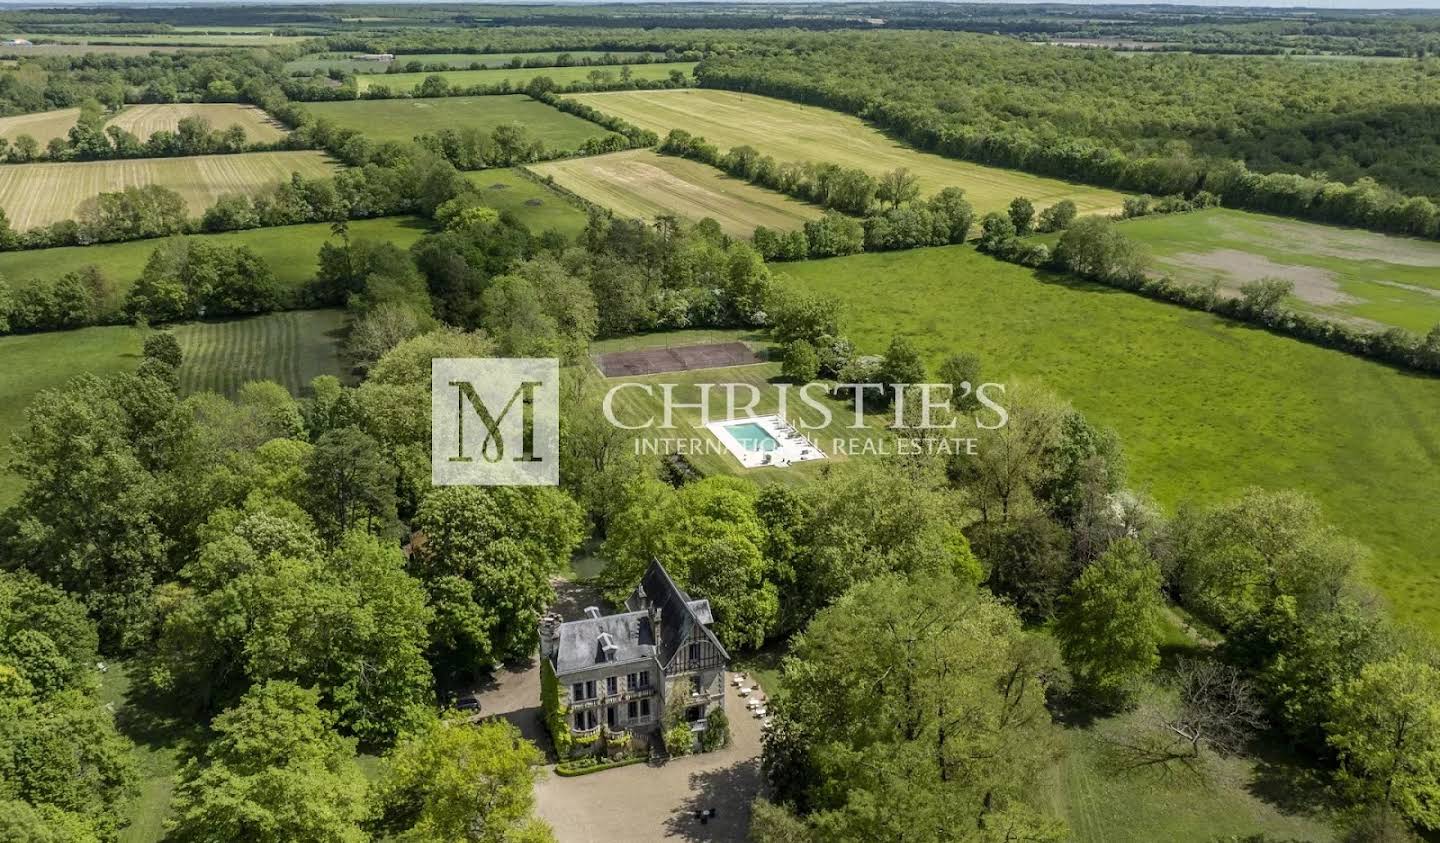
x=539 y=207
x=1343 y=273
x=403 y=119
x=41 y=361
x=1205 y=407
x=518 y=78
x=290 y=251
x=289 y=348
x=156 y=754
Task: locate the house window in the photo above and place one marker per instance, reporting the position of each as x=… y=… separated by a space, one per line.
x=633 y=710
x=695 y=685
x=577 y=691
x=612 y=685
x=580 y=720
x=644 y=708
x=590 y=689
x=610 y=717
x=632 y=681
x=585 y=720
x=644 y=679
x=694 y=713
x=694 y=652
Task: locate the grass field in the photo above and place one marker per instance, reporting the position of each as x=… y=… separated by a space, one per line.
x=180 y=39
x=404 y=82
x=288 y=348
x=1205 y=407
x=539 y=207
x=144 y=120
x=42 y=361
x=458 y=61
x=41 y=125
x=792 y=132
x=401 y=120
x=39 y=194
x=72 y=50
x=642 y=183
x=291 y=251
x=1338 y=272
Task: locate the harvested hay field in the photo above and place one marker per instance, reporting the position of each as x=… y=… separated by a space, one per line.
x=644 y=184
x=680 y=358
x=794 y=133
x=288 y=348
x=401 y=120
x=145 y=120
x=1368 y=279
x=518 y=78
x=43 y=126
x=39 y=194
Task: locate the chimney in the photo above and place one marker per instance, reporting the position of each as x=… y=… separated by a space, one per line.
x=655 y=623
x=592 y=612
x=549 y=635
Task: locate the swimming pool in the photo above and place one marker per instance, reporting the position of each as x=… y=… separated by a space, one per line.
x=752 y=437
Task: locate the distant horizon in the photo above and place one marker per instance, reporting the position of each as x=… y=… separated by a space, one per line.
x=1319 y=5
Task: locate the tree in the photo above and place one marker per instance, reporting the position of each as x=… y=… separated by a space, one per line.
x=962 y=373
x=486 y=560
x=1110 y=626
x=952 y=213
x=349 y=484
x=276 y=772
x=1218 y=708
x=898 y=187
x=901 y=363
x=997 y=233
x=1386 y=729
x=163 y=346
x=451 y=780
x=916 y=709
x=1057 y=217
x=1092 y=247
x=1022 y=215
x=1264 y=297
x=801 y=363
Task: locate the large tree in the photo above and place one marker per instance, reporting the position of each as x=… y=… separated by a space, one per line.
x=1110 y=627
x=452 y=781
x=275 y=772
x=914 y=710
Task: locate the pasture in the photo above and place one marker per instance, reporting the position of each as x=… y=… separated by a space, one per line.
x=643 y=184
x=1342 y=273
x=34 y=362
x=406 y=82
x=1205 y=407
x=403 y=119
x=794 y=133
x=456 y=61
x=145 y=120
x=39 y=194
x=291 y=251
x=539 y=207
x=289 y=348
x=43 y=126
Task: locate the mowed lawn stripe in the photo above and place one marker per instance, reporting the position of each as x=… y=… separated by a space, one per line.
x=289 y=348
x=644 y=184
x=39 y=194
x=795 y=133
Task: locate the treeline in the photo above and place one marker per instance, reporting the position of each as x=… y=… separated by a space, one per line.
x=517 y=62
x=956 y=95
x=600 y=80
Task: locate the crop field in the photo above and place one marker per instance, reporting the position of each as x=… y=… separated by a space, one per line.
x=39 y=194
x=34 y=362
x=144 y=120
x=457 y=61
x=793 y=133
x=289 y=348
x=41 y=125
x=1205 y=407
x=536 y=205
x=405 y=82
x=1350 y=274
x=643 y=184
x=401 y=120
x=291 y=251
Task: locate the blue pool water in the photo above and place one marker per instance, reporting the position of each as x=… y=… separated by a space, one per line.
x=752 y=437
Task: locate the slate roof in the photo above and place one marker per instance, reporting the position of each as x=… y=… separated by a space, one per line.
x=581 y=645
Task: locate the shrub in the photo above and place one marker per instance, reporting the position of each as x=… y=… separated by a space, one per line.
x=802 y=364
x=717 y=731
x=679 y=740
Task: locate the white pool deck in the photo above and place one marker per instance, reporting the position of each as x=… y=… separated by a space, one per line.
x=792 y=446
